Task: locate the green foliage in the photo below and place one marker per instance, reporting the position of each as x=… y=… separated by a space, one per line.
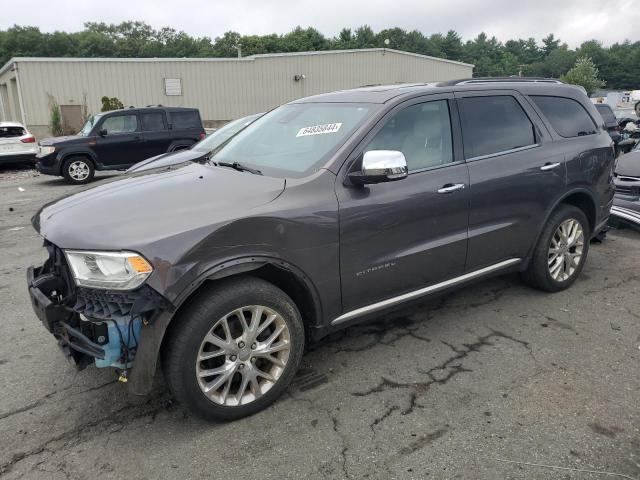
x=619 y=64
x=55 y=118
x=585 y=73
x=110 y=103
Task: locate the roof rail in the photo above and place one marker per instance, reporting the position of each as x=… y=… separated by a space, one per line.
x=471 y=81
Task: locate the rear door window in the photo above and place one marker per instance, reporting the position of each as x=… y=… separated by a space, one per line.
x=152 y=122
x=567 y=117
x=120 y=124
x=494 y=124
x=187 y=119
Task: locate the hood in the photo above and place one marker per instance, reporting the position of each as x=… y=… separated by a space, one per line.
x=140 y=209
x=629 y=164
x=166 y=160
x=68 y=139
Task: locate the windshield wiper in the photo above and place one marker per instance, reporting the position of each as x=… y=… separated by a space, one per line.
x=238 y=166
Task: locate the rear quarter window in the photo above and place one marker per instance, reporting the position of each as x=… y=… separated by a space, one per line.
x=152 y=122
x=494 y=124
x=567 y=117
x=188 y=119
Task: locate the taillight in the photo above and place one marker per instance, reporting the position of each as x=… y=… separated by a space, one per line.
x=202 y=135
x=616 y=129
x=29 y=139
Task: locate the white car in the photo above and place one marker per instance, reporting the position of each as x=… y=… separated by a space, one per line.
x=16 y=143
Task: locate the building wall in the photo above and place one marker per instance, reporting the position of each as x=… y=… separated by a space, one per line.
x=223 y=89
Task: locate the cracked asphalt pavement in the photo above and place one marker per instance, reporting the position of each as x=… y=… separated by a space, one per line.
x=489 y=382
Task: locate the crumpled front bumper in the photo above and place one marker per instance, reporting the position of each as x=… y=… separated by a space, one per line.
x=80 y=318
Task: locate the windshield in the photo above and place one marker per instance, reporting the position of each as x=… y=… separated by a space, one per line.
x=294 y=140
x=223 y=134
x=89 y=125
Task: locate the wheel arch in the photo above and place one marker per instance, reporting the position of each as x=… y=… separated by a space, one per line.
x=286 y=276
x=64 y=156
x=580 y=198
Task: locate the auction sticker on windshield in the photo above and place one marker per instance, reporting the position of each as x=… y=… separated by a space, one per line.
x=319 y=129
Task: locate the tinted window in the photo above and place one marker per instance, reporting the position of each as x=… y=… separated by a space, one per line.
x=152 y=122
x=120 y=124
x=421 y=132
x=494 y=124
x=566 y=116
x=189 y=119
x=606 y=113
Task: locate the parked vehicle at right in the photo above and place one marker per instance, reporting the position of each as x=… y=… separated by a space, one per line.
x=17 y=145
x=626 y=203
x=118 y=139
x=322 y=213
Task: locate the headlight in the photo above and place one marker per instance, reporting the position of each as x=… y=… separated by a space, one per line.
x=44 y=151
x=108 y=270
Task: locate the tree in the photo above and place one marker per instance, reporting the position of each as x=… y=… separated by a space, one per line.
x=110 y=103
x=550 y=44
x=584 y=73
x=55 y=117
x=618 y=65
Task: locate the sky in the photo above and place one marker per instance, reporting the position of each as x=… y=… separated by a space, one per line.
x=573 y=21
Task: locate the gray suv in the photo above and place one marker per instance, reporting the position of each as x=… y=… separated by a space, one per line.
x=320 y=214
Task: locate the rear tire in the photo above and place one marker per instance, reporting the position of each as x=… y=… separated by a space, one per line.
x=78 y=170
x=219 y=364
x=561 y=252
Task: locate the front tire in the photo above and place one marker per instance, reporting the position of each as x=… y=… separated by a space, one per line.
x=234 y=349
x=78 y=170
x=561 y=252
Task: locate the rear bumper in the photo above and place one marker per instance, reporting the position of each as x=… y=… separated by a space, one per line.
x=17 y=157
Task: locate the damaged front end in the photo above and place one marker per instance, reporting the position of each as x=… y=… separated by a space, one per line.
x=91 y=325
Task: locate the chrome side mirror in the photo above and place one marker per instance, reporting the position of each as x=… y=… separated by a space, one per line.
x=380 y=166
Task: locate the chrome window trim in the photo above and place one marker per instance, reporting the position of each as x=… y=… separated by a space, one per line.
x=424 y=291
x=504 y=152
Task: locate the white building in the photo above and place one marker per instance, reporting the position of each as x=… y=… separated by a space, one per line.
x=222 y=88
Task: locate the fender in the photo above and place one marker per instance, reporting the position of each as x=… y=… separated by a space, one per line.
x=152 y=334
x=64 y=154
x=548 y=213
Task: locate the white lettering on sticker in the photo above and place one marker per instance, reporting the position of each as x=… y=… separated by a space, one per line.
x=319 y=129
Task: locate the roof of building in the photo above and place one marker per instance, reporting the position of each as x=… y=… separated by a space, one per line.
x=248 y=58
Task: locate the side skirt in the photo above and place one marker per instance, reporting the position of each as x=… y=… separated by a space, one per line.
x=374 y=307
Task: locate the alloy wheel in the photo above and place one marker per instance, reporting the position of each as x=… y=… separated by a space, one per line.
x=78 y=170
x=565 y=250
x=243 y=355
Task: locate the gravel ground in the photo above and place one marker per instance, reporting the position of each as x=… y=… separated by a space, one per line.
x=482 y=383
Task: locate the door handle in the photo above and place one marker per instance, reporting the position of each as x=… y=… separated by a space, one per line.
x=450 y=188
x=549 y=166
